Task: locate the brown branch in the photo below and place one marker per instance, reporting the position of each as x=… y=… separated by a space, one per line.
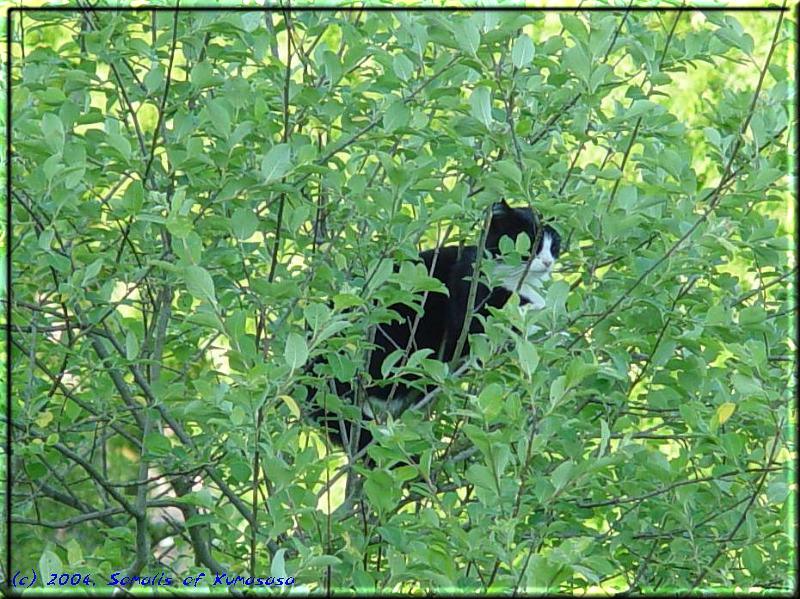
x=473 y=288
x=668 y=488
x=765 y=471
x=160 y=121
x=96 y=476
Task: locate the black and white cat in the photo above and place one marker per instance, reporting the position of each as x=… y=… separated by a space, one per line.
x=441 y=321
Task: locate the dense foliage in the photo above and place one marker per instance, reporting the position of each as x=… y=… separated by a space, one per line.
x=204 y=204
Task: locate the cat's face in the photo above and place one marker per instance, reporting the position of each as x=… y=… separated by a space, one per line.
x=512 y=222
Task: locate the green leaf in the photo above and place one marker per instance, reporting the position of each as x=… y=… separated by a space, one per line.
x=200 y=284
x=277 y=567
x=251 y=21
x=294 y=409
x=379 y=488
x=131 y=345
x=344 y=369
x=561 y=475
x=528 y=356
x=238 y=416
x=120 y=144
x=778 y=72
x=333 y=68
x=202 y=75
x=49 y=563
x=746 y=385
x=713 y=136
x=664 y=352
x=316 y=315
x=133 y=199
x=244 y=223
x=765 y=177
x=157 y=444
x=578 y=370
x=660 y=79
x=752 y=316
x=577 y=60
x=752 y=560
x=725 y=411
x=575 y=26
x=718 y=315
x=154 y=80
x=491 y=400
x=557 y=390
x=91 y=272
x=777 y=491
x=522 y=51
x=389 y=362
x=481 y=476
x=53 y=131
x=46 y=239
x=510 y=171
x=403 y=67
x=296 y=351
x=179 y=226
x=415 y=277
x=468 y=36
x=397 y=115
x=736 y=39
x=557 y=296
x=342 y=301
x=220 y=117
x=241 y=471
x=61 y=263
x=74 y=551
x=322 y=561
x=481 y=107
x=605 y=435
x=381 y=274
x=275 y=163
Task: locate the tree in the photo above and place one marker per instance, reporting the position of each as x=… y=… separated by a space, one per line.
x=205 y=204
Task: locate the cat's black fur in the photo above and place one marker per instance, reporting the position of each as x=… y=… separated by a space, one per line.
x=442 y=317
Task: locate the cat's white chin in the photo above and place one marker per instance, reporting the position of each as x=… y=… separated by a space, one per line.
x=532 y=280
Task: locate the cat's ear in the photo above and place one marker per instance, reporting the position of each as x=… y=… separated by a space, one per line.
x=500 y=208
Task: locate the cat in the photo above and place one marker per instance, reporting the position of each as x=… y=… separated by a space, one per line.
x=439 y=326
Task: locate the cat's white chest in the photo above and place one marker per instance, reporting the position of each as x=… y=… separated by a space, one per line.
x=532 y=282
